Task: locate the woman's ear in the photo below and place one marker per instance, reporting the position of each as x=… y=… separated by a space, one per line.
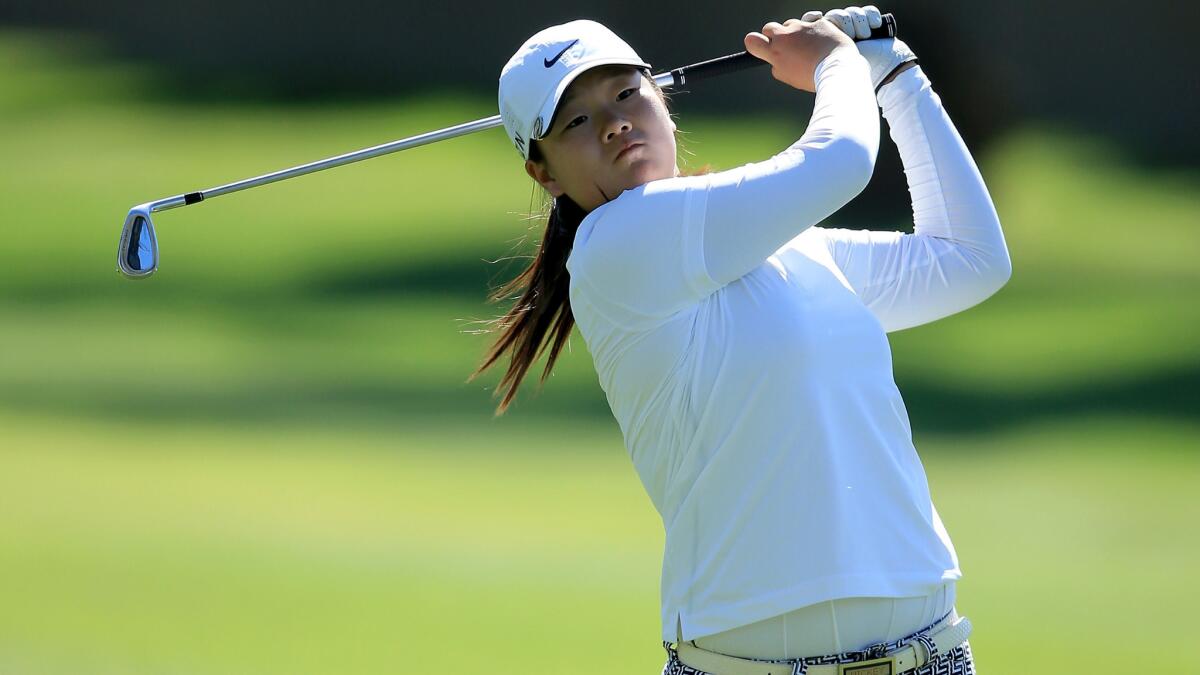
x=541 y=173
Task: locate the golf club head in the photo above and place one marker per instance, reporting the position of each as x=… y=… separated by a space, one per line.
x=137 y=254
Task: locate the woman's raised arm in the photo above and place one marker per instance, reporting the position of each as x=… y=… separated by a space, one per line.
x=751 y=211
x=956 y=256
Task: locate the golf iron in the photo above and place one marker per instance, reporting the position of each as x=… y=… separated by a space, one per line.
x=137 y=252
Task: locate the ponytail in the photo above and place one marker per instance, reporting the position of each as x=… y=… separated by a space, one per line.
x=544 y=307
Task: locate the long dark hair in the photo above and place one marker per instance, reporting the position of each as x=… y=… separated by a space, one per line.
x=544 y=306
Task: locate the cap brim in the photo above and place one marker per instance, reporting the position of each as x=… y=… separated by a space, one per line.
x=548 y=108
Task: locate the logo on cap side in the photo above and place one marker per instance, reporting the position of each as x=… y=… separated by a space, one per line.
x=550 y=62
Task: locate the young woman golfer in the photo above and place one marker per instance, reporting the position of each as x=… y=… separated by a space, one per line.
x=743 y=350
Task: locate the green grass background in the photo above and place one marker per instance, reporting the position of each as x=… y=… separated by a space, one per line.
x=266 y=459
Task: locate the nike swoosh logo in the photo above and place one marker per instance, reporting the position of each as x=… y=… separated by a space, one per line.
x=550 y=62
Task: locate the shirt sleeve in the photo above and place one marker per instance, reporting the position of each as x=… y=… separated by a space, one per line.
x=667 y=244
x=956 y=256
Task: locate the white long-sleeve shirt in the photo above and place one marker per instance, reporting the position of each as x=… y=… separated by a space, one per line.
x=744 y=356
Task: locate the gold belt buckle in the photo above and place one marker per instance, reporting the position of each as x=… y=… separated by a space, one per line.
x=883 y=666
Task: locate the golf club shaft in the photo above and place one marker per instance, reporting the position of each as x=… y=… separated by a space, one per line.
x=673 y=78
x=320 y=165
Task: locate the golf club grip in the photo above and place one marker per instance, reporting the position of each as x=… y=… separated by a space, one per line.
x=743 y=60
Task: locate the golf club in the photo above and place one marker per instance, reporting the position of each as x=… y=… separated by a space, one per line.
x=137 y=252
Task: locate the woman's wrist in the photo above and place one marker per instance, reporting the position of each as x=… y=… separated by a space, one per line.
x=899 y=69
x=842 y=55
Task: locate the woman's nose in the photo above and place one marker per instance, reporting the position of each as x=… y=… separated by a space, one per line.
x=616 y=126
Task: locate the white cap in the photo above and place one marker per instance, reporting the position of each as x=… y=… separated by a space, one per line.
x=534 y=79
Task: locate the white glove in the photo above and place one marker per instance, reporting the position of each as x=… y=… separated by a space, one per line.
x=884 y=54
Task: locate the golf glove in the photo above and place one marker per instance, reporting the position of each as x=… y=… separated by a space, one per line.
x=884 y=55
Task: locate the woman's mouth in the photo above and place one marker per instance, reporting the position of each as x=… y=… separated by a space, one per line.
x=627 y=148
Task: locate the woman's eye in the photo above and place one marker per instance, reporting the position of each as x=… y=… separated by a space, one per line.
x=626 y=93
x=575 y=122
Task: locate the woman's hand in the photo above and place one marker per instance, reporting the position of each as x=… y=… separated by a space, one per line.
x=795 y=48
x=886 y=55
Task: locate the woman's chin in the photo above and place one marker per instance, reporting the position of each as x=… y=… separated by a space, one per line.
x=643 y=171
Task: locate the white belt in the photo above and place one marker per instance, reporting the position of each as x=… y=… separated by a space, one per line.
x=902 y=660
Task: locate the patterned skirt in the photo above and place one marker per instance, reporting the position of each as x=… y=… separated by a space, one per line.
x=957 y=661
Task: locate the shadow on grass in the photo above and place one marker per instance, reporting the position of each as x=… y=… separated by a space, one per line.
x=467 y=274
x=933 y=408
x=1170 y=394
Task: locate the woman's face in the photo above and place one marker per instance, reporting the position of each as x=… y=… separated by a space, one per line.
x=611 y=132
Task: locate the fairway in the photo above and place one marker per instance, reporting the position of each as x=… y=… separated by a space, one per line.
x=266 y=459
x=297 y=552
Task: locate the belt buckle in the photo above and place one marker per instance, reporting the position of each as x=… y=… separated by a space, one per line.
x=883 y=666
